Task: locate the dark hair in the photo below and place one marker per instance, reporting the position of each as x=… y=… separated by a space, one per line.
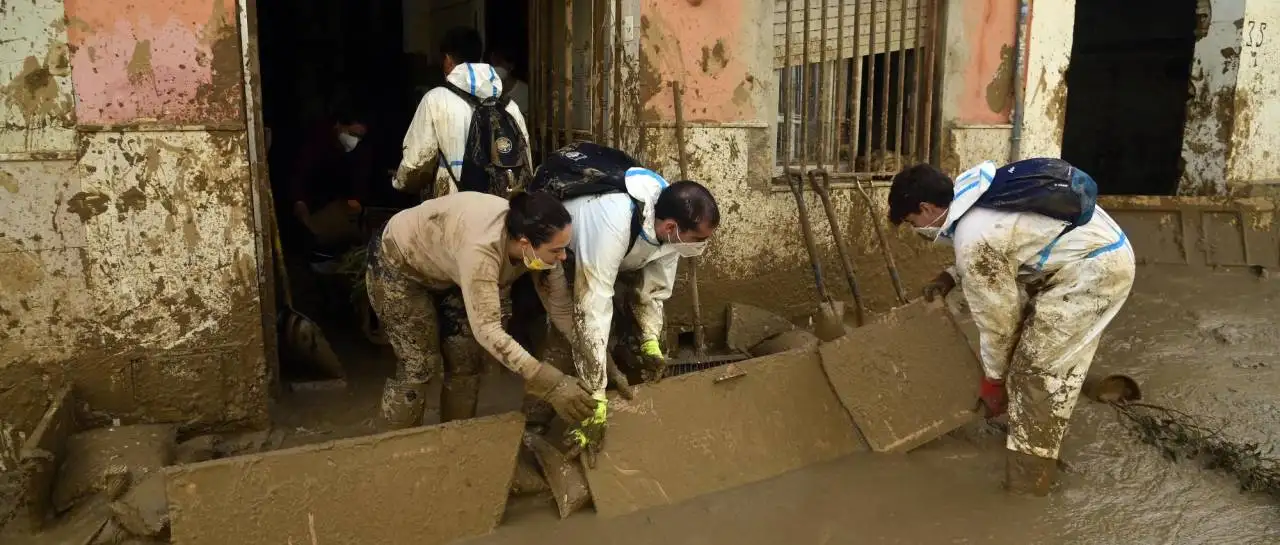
x=916 y=185
x=689 y=203
x=462 y=44
x=536 y=216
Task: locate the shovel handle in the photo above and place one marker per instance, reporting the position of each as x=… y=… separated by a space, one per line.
x=796 y=180
x=820 y=180
x=884 y=244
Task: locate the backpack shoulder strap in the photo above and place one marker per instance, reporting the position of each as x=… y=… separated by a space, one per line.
x=637 y=223
x=470 y=98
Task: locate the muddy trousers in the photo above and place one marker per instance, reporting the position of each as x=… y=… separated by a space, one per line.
x=429 y=332
x=1058 y=338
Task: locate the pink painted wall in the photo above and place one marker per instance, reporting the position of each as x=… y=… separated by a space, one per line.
x=716 y=49
x=157 y=61
x=986 y=33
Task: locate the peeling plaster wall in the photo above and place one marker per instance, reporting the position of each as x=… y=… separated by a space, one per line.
x=758 y=255
x=1207 y=137
x=1049 y=38
x=36 y=103
x=977 y=82
x=129 y=259
x=1255 y=134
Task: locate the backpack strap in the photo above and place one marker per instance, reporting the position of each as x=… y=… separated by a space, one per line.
x=637 y=223
x=471 y=99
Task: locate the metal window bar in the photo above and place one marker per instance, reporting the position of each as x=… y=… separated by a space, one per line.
x=861 y=105
x=582 y=38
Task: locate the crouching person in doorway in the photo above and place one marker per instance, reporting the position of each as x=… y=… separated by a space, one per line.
x=631 y=227
x=1044 y=271
x=476 y=243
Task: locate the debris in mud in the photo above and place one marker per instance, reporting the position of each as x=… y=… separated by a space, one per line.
x=1226 y=334
x=1181 y=436
x=94 y=456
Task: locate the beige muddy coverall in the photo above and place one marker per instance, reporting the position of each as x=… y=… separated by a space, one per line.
x=454 y=242
x=1042 y=343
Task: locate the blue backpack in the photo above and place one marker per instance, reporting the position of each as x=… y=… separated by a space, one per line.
x=1045 y=186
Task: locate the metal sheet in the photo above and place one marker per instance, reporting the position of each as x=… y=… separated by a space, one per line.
x=175 y=62
x=689 y=435
x=907 y=379
x=1199 y=231
x=420 y=486
x=36 y=100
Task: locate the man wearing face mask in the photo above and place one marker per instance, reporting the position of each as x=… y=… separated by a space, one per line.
x=1044 y=270
x=330 y=180
x=631 y=229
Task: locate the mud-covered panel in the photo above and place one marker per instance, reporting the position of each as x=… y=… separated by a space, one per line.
x=692 y=435
x=1205 y=231
x=36 y=101
x=149 y=61
x=422 y=486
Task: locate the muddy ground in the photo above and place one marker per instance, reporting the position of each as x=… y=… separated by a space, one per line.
x=1207 y=343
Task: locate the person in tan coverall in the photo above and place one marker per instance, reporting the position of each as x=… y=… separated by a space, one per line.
x=480 y=244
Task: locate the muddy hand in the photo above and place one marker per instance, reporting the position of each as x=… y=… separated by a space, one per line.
x=652 y=360
x=587 y=439
x=568 y=395
x=939 y=287
x=619 y=380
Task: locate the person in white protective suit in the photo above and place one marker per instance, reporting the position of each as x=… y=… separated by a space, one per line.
x=1040 y=297
x=630 y=243
x=437 y=135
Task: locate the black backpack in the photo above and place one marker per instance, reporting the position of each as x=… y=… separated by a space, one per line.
x=494 y=160
x=584 y=168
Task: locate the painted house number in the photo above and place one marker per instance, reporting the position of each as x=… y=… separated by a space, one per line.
x=1255 y=33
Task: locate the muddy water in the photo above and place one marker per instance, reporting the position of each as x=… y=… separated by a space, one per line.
x=1207 y=343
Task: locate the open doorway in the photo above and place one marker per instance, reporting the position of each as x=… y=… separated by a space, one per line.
x=1128 y=91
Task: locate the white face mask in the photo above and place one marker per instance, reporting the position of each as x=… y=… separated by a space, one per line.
x=348 y=141
x=688 y=249
x=930 y=232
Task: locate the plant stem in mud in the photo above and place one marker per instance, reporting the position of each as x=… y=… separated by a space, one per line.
x=1181 y=436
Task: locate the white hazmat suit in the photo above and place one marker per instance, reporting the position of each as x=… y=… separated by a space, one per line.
x=441 y=124
x=1042 y=345
x=601 y=234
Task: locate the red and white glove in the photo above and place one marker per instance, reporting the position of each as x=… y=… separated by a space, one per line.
x=993 y=397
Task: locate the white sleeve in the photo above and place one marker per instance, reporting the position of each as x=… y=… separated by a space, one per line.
x=600 y=243
x=658 y=279
x=420 y=144
x=988 y=273
x=514 y=110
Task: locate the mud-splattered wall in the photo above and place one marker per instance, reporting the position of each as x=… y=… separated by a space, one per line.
x=977 y=82
x=724 y=56
x=1254 y=165
x=130 y=266
x=1206 y=138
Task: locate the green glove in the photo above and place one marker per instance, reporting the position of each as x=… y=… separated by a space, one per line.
x=587 y=439
x=652 y=360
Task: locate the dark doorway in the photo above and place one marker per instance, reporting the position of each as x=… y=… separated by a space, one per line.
x=1128 y=91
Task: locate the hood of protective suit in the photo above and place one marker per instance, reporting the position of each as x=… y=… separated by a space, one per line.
x=968 y=187
x=477 y=78
x=645 y=185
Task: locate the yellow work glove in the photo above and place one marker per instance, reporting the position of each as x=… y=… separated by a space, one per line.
x=652 y=361
x=587 y=439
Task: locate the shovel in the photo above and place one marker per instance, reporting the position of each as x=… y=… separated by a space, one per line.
x=829 y=323
x=300 y=337
x=823 y=190
x=884 y=245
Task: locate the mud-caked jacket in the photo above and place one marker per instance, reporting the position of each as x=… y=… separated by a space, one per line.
x=461 y=240
x=601 y=236
x=998 y=253
x=441 y=124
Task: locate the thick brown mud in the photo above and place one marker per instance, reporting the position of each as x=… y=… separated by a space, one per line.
x=1205 y=343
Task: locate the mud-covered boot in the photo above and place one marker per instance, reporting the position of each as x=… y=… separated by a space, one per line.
x=461 y=391
x=402 y=404
x=1029 y=474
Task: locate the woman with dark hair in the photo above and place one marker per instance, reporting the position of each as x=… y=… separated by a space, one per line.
x=476 y=243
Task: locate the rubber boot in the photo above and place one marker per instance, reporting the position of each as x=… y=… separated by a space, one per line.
x=461 y=389
x=1029 y=474
x=402 y=404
